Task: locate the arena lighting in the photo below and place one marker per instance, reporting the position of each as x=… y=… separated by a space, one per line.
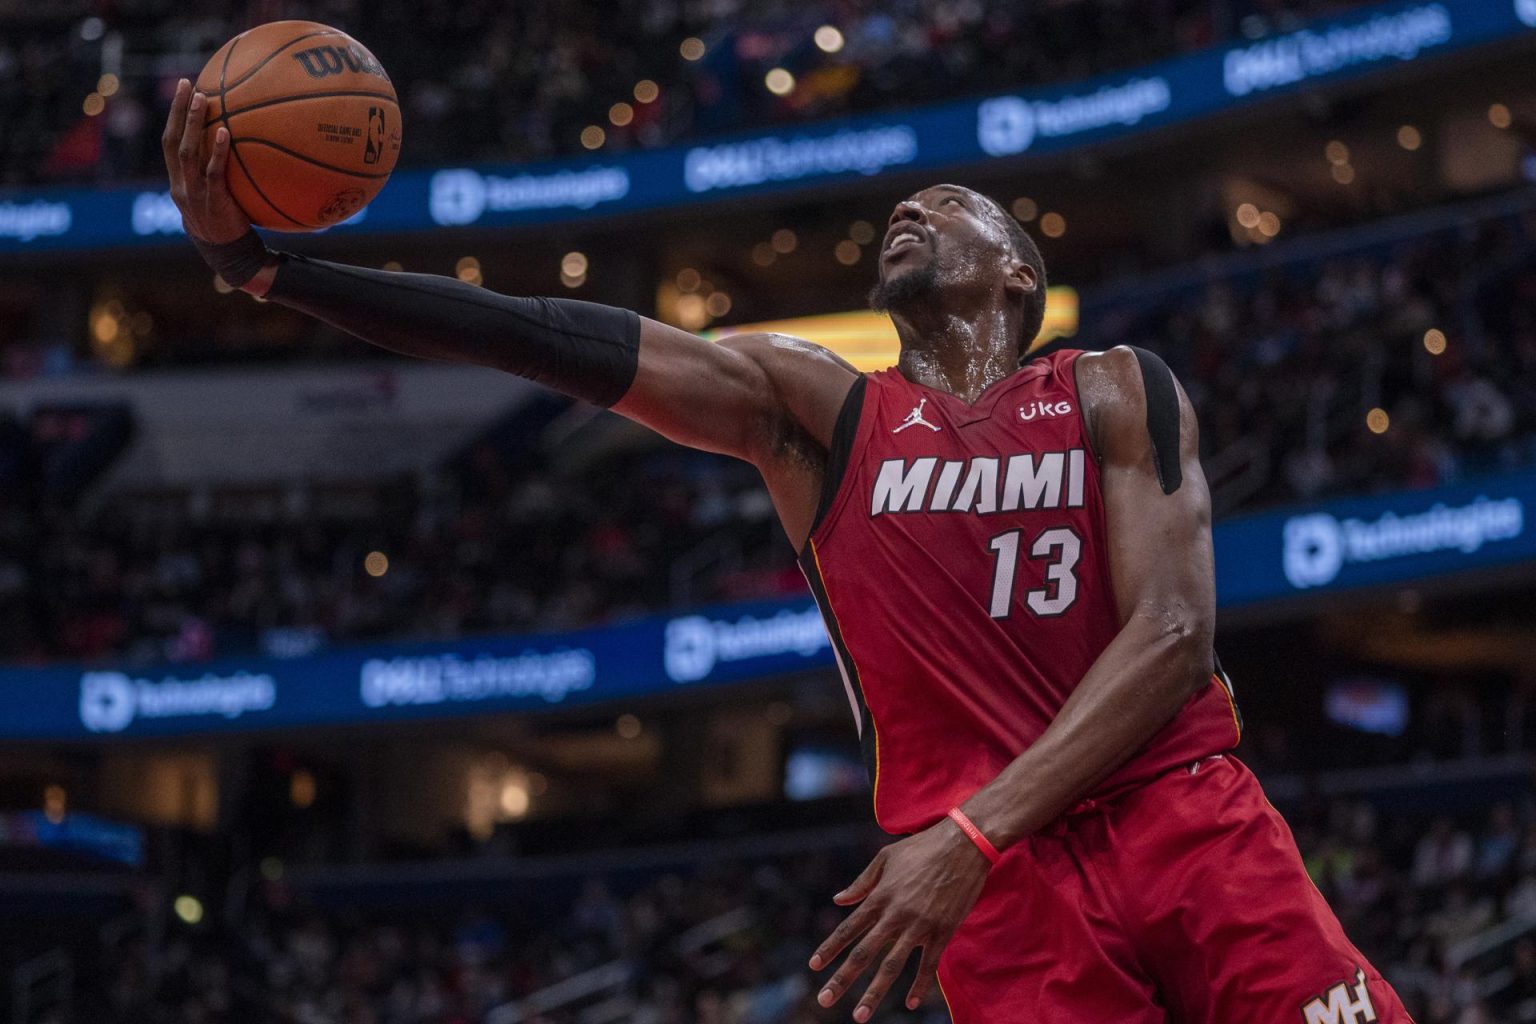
x=189 y=909
x=688 y=280
x=1377 y=420
x=1498 y=116
x=784 y=241
x=862 y=232
x=1336 y=152
x=1434 y=341
x=868 y=340
x=592 y=137
x=828 y=39
x=646 y=91
x=1025 y=209
x=627 y=726
x=847 y=252
x=779 y=82
x=107 y=84
x=94 y=104
x=1409 y=137
x=1053 y=225
x=692 y=48
x=621 y=114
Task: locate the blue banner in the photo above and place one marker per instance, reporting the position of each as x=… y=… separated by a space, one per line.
x=944 y=136
x=1376 y=541
x=1339 y=546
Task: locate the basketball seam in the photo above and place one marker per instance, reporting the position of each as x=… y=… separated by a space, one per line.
x=234 y=150
x=309 y=159
x=387 y=97
x=265 y=60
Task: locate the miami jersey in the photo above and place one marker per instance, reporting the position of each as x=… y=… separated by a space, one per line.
x=960 y=560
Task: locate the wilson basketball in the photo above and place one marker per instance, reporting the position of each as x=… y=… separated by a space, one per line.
x=314 y=124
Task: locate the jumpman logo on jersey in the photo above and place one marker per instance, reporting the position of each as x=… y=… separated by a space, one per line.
x=914 y=418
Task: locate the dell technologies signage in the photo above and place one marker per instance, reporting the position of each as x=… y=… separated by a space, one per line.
x=943 y=136
x=372 y=684
x=1377 y=541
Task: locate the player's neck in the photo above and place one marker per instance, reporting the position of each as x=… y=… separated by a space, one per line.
x=961 y=355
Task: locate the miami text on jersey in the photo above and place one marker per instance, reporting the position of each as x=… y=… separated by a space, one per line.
x=982 y=484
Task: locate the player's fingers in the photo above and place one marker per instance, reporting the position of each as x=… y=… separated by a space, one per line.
x=852 y=926
x=175 y=121
x=218 y=158
x=864 y=884
x=864 y=952
x=927 y=974
x=191 y=137
x=885 y=976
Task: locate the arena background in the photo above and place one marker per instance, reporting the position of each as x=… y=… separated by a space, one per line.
x=339 y=688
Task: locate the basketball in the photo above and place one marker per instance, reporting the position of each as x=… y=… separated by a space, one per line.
x=313 y=120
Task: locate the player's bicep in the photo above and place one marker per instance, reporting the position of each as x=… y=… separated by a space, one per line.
x=1157 y=505
x=736 y=396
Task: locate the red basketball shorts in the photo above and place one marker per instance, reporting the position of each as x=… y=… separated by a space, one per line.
x=1183 y=901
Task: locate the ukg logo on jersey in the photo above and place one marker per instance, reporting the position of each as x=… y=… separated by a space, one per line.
x=1318 y=546
x=695 y=645
x=112 y=701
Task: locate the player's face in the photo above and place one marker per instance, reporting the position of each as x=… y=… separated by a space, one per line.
x=941 y=237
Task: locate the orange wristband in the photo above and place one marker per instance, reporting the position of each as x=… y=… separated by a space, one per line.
x=974 y=834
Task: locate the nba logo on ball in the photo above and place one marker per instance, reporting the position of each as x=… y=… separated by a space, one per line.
x=374 y=141
x=106 y=701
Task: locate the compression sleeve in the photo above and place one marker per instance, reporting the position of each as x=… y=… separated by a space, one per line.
x=582 y=349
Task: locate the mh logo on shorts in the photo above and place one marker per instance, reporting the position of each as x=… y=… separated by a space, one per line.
x=1340 y=1008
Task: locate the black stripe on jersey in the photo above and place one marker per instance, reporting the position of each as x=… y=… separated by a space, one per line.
x=1226 y=684
x=843 y=434
x=1162 y=418
x=866 y=724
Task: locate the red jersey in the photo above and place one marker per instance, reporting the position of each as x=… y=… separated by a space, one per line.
x=960 y=559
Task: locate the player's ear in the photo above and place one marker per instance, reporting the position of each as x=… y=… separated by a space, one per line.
x=1021 y=278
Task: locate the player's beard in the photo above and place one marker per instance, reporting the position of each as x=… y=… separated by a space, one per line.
x=902 y=291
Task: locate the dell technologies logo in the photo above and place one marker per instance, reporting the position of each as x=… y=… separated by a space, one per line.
x=112 y=701
x=1317 y=546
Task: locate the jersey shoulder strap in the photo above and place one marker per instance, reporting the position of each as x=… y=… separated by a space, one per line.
x=844 y=433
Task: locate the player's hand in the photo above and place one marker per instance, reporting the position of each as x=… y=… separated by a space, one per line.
x=914 y=894
x=208 y=211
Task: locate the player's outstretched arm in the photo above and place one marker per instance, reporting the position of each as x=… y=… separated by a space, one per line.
x=767 y=399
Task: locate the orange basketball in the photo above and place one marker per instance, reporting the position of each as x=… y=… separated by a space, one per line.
x=314 y=124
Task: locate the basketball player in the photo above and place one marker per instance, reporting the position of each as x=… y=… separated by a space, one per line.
x=1014 y=563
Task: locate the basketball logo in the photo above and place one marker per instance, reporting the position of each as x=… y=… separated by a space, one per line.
x=374 y=140
x=342 y=205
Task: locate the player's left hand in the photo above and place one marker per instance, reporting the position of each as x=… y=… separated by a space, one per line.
x=914 y=893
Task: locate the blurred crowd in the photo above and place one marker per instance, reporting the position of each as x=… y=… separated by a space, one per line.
x=1409 y=364
x=480 y=80
x=727 y=942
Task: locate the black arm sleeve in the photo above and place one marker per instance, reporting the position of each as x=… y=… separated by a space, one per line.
x=582 y=349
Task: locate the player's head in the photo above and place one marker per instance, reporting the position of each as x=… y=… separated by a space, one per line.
x=960 y=241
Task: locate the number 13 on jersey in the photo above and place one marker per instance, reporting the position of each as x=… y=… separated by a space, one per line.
x=1059 y=548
